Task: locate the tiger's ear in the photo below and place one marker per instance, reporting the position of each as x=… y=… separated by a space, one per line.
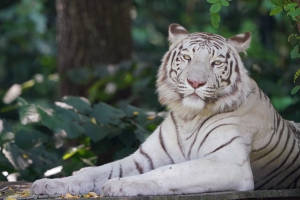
x=240 y=42
x=177 y=33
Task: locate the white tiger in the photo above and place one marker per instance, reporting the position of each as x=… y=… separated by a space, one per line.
x=221 y=134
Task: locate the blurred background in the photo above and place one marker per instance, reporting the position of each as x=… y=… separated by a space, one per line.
x=77 y=78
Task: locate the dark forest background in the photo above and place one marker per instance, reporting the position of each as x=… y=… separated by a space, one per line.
x=77 y=78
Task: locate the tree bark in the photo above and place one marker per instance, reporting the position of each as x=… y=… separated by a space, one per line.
x=91 y=32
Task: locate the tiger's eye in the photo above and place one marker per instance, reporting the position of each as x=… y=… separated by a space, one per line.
x=217 y=62
x=187 y=57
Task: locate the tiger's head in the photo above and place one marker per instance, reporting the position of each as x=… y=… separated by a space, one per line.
x=203 y=71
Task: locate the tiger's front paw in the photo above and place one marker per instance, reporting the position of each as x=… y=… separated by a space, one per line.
x=49 y=186
x=130 y=187
x=63 y=186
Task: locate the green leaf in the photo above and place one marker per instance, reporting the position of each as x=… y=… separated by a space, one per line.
x=276 y=10
x=5 y=127
x=215 y=8
x=213 y=1
x=215 y=19
x=95 y=132
x=291 y=6
x=224 y=3
x=277 y=2
x=282 y=102
x=28 y=139
x=6 y=137
x=49 y=119
x=295 y=89
x=72 y=129
x=69 y=115
x=139 y=114
x=17 y=156
x=79 y=103
x=29 y=114
x=6 y=134
x=297 y=74
x=124 y=153
x=106 y=114
x=42 y=158
x=294 y=13
x=140 y=133
x=5 y=164
x=127 y=137
x=295 y=52
x=21 y=101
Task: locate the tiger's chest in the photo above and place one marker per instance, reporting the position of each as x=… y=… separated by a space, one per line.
x=202 y=136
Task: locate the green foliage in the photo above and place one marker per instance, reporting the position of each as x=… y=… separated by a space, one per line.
x=297 y=74
x=276 y=10
x=73 y=118
x=295 y=89
x=292 y=10
x=24 y=38
x=214 y=9
x=295 y=52
x=76 y=132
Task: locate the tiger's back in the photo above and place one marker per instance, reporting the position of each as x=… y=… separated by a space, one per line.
x=275 y=150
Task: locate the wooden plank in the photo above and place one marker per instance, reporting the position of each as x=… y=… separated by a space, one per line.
x=9 y=188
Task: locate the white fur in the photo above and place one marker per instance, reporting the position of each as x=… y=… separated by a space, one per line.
x=201 y=146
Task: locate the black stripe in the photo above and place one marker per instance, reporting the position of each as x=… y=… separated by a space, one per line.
x=138 y=167
x=274 y=147
x=177 y=134
x=274 y=131
x=276 y=157
x=161 y=141
x=172 y=59
x=197 y=131
x=166 y=62
x=171 y=63
x=225 y=117
x=230 y=64
x=110 y=174
x=236 y=69
x=210 y=132
x=213 y=53
x=275 y=175
x=120 y=171
x=291 y=173
x=260 y=93
x=148 y=158
x=294 y=182
x=294 y=130
x=283 y=162
x=222 y=146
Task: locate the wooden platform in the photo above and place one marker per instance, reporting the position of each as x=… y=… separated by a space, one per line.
x=14 y=190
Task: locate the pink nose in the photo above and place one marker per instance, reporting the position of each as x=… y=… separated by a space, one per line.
x=196 y=84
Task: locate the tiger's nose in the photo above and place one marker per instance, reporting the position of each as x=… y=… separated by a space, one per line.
x=196 y=84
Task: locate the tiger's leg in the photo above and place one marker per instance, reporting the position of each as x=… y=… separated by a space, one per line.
x=196 y=176
x=146 y=158
x=218 y=168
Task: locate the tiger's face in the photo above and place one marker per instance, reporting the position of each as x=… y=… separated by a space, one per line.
x=202 y=70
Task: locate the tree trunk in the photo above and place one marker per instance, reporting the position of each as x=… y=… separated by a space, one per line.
x=91 y=32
